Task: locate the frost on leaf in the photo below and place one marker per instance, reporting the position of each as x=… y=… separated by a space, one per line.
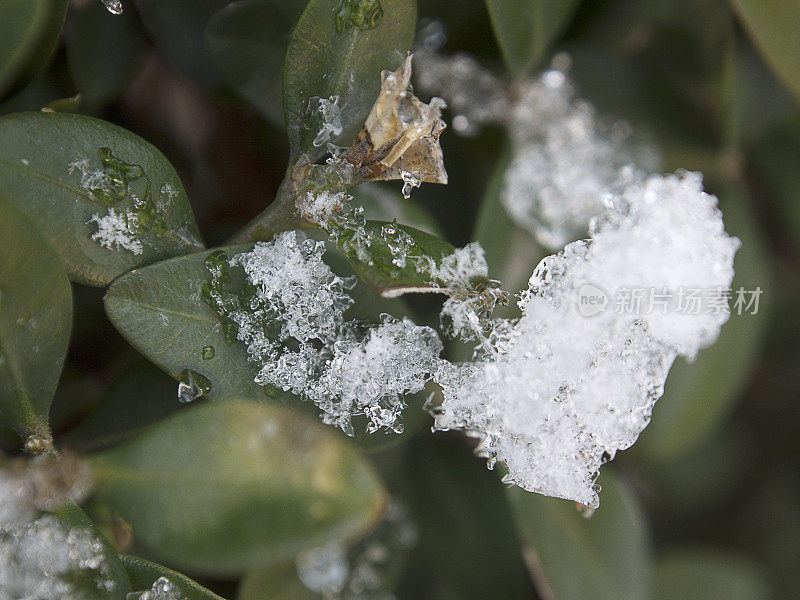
x=400 y=135
x=116 y=231
x=41 y=556
x=290 y=316
x=331 y=119
x=558 y=392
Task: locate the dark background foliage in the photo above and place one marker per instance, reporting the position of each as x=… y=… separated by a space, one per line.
x=708 y=500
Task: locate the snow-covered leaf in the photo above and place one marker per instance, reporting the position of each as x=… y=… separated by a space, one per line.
x=159 y=309
x=35 y=322
x=773 y=26
x=526 y=28
x=222 y=487
x=107 y=200
x=143 y=573
x=247 y=41
x=29 y=31
x=337 y=50
x=604 y=557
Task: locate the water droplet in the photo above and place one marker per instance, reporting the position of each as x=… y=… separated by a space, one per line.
x=192 y=385
x=113 y=6
x=208 y=352
x=35 y=445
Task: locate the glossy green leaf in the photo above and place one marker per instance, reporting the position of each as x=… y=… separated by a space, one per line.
x=323 y=61
x=40 y=171
x=247 y=41
x=525 y=29
x=708 y=574
x=35 y=322
x=226 y=486
x=772 y=24
x=604 y=557
x=178 y=27
x=29 y=30
x=276 y=583
x=160 y=311
x=467 y=542
x=700 y=395
x=72 y=515
x=142 y=573
x=388 y=279
x=102 y=50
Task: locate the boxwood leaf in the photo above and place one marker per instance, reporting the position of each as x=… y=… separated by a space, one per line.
x=339 y=48
x=377 y=267
x=525 y=29
x=108 y=200
x=74 y=516
x=604 y=557
x=35 y=322
x=159 y=309
x=29 y=30
x=225 y=486
x=247 y=41
x=142 y=573
x=276 y=583
x=772 y=24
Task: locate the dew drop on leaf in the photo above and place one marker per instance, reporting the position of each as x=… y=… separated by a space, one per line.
x=208 y=352
x=113 y=6
x=192 y=385
x=362 y=14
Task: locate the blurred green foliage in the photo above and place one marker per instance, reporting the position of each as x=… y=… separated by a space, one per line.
x=705 y=505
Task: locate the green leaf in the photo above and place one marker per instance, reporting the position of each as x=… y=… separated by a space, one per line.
x=102 y=50
x=323 y=61
x=276 y=583
x=700 y=395
x=29 y=31
x=160 y=311
x=386 y=203
x=604 y=557
x=525 y=29
x=36 y=154
x=73 y=516
x=388 y=279
x=142 y=573
x=247 y=41
x=772 y=24
x=35 y=322
x=708 y=574
x=177 y=27
x=222 y=487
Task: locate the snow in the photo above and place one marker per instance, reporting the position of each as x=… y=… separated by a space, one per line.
x=117 y=231
x=557 y=393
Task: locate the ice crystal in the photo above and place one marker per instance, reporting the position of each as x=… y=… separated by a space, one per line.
x=113 y=6
x=46 y=558
x=162 y=589
x=560 y=391
x=117 y=230
x=331 y=120
x=295 y=331
x=362 y=573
